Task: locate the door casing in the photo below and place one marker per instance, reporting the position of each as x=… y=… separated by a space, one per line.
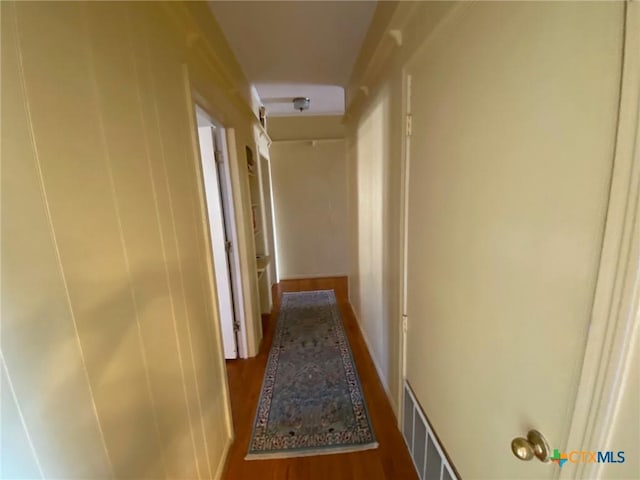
x=230 y=225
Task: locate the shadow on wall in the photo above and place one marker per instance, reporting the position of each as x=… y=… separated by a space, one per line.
x=149 y=411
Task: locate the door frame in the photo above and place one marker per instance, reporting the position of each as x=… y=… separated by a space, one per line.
x=228 y=207
x=191 y=97
x=405 y=163
x=615 y=317
x=212 y=186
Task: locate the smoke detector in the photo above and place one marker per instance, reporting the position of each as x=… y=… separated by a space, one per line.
x=301 y=103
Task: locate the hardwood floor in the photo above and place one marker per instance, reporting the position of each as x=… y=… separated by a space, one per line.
x=389 y=461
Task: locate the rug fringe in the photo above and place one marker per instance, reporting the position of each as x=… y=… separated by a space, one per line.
x=312 y=452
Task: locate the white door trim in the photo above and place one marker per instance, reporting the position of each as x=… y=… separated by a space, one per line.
x=225 y=138
x=616 y=315
x=404 y=235
x=245 y=238
x=219 y=231
x=231 y=224
x=454 y=14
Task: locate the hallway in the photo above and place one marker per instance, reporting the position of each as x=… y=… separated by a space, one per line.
x=470 y=170
x=390 y=460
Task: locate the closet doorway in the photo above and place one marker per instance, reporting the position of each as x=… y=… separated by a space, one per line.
x=223 y=235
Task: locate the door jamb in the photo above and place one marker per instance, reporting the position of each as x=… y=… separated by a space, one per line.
x=230 y=221
x=190 y=99
x=615 y=318
x=452 y=16
x=225 y=137
x=404 y=236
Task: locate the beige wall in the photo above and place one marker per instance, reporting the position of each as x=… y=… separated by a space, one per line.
x=374 y=186
x=306 y=128
x=441 y=384
x=375 y=145
x=505 y=235
x=111 y=356
x=310 y=203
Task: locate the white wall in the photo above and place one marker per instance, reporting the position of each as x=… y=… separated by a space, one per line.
x=310 y=202
x=111 y=353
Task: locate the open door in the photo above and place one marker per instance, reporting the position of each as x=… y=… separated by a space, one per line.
x=514 y=111
x=221 y=245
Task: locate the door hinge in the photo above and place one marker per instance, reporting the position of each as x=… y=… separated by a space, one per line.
x=405 y=323
x=228 y=246
x=217 y=154
x=409 y=125
x=236 y=326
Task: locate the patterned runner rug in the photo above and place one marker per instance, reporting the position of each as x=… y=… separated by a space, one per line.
x=311 y=401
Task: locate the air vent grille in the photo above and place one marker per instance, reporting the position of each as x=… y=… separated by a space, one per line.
x=427 y=454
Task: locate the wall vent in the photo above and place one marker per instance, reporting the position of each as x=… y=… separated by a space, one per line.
x=427 y=454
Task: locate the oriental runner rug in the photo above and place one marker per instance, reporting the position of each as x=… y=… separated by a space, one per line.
x=311 y=401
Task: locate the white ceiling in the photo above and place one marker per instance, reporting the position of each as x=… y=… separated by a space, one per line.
x=282 y=45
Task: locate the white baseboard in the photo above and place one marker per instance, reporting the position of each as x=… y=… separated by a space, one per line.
x=314 y=275
x=390 y=397
x=223 y=458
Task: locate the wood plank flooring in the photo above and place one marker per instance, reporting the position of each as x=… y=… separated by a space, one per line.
x=389 y=461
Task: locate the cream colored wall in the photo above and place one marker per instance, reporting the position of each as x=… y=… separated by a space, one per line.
x=305 y=128
x=374 y=283
x=310 y=203
x=509 y=182
x=374 y=145
x=111 y=353
x=381 y=75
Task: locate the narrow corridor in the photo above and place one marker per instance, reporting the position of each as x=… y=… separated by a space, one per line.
x=389 y=461
x=464 y=175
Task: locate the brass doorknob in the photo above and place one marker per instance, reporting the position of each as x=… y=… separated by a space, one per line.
x=534 y=445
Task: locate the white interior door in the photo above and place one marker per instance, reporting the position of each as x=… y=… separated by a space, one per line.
x=514 y=108
x=206 y=138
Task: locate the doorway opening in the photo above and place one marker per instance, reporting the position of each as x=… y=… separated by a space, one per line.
x=216 y=176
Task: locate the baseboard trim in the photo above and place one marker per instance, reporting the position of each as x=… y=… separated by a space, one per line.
x=319 y=275
x=224 y=457
x=385 y=387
